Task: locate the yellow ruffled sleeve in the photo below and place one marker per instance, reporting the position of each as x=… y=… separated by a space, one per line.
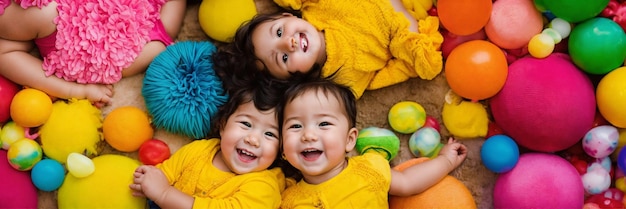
x=293 y=4
x=420 y=50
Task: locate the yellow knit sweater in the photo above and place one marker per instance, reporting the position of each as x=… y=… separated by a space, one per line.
x=191 y=170
x=364 y=183
x=368 y=43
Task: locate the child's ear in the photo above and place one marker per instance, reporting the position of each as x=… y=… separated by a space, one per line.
x=351 y=141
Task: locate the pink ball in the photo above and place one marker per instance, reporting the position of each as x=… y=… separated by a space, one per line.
x=546 y=104
x=539 y=180
x=17 y=191
x=8 y=89
x=513 y=23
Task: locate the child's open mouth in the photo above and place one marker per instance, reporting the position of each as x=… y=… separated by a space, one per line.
x=304 y=42
x=245 y=155
x=311 y=154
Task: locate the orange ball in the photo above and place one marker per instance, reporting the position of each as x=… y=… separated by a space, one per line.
x=448 y=193
x=476 y=70
x=126 y=128
x=464 y=17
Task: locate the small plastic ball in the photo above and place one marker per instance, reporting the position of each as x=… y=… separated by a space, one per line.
x=10 y=133
x=80 y=166
x=611 y=97
x=554 y=34
x=24 y=154
x=600 y=141
x=425 y=142
x=433 y=123
x=48 y=175
x=621 y=160
x=561 y=26
x=406 y=117
x=31 y=107
x=379 y=140
x=220 y=19
x=596 y=180
x=597 y=45
x=499 y=153
x=541 y=45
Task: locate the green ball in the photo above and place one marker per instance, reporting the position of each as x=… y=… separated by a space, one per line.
x=597 y=45
x=379 y=140
x=575 y=11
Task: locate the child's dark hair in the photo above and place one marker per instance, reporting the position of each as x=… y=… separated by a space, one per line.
x=236 y=62
x=327 y=87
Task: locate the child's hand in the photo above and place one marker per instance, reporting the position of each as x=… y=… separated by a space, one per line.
x=454 y=151
x=99 y=94
x=150 y=182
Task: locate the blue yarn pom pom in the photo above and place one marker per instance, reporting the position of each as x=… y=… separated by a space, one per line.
x=182 y=91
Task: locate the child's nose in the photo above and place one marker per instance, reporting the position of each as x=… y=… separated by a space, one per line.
x=309 y=136
x=289 y=44
x=252 y=140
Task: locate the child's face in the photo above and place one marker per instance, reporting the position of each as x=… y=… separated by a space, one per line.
x=316 y=135
x=288 y=45
x=249 y=139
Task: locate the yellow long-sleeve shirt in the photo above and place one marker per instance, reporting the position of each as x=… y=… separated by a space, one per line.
x=369 y=45
x=190 y=169
x=364 y=183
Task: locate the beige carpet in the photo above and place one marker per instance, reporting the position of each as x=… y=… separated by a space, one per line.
x=373 y=108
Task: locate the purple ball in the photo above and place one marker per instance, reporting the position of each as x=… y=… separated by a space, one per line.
x=539 y=180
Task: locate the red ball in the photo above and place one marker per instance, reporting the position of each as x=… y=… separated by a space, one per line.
x=153 y=152
x=432 y=122
x=8 y=89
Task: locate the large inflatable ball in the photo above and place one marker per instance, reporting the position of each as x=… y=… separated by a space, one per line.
x=546 y=104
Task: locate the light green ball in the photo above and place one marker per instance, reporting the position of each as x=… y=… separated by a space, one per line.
x=380 y=140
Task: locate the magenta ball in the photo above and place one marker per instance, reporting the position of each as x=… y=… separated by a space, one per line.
x=539 y=180
x=17 y=190
x=546 y=104
x=8 y=89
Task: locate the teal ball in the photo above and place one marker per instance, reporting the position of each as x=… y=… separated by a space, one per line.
x=380 y=140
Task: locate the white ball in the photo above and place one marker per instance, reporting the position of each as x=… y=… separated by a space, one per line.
x=562 y=26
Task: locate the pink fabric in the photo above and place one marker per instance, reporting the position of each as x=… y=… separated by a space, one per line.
x=46 y=44
x=96 y=39
x=4 y=4
x=158 y=33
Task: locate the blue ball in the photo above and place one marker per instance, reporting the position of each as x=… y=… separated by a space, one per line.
x=47 y=175
x=621 y=160
x=499 y=153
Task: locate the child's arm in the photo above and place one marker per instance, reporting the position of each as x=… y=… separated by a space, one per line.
x=422 y=176
x=23 y=68
x=150 y=182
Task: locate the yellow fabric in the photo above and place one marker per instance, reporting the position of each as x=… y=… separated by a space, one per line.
x=368 y=43
x=190 y=169
x=466 y=119
x=364 y=183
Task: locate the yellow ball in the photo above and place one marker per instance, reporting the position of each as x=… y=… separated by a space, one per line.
x=126 y=128
x=611 y=97
x=107 y=187
x=406 y=117
x=220 y=19
x=541 y=45
x=31 y=107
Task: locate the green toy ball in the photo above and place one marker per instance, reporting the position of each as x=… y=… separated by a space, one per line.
x=597 y=45
x=378 y=140
x=406 y=117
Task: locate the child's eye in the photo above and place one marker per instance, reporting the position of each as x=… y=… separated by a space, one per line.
x=247 y=124
x=270 y=134
x=279 y=32
x=295 y=126
x=324 y=124
x=285 y=57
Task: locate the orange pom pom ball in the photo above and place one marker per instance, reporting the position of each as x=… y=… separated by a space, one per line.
x=513 y=23
x=448 y=193
x=126 y=128
x=476 y=70
x=464 y=17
